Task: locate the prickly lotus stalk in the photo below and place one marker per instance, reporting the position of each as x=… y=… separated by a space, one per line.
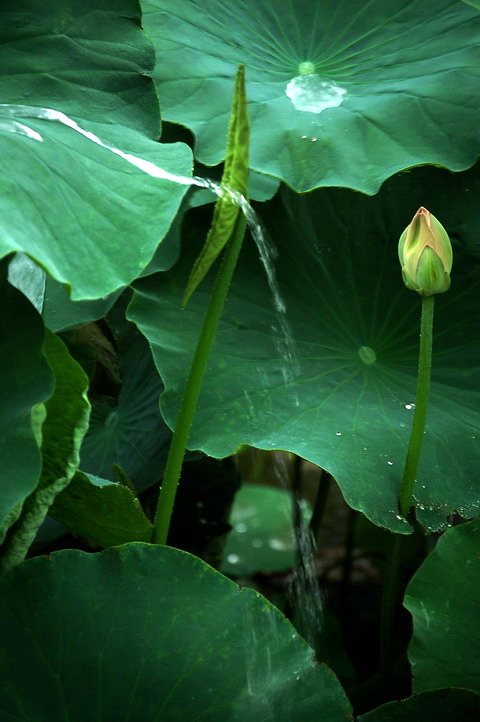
x=425 y=254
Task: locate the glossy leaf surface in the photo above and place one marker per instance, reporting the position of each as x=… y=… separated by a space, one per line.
x=339 y=95
x=153 y=634
x=79 y=115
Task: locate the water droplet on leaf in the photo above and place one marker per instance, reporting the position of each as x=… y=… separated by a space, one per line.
x=308 y=92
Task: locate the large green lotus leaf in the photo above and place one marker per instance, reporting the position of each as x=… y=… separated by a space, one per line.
x=339 y=390
x=442 y=705
x=105 y=513
x=443 y=598
x=340 y=95
x=79 y=121
x=131 y=434
x=25 y=383
x=143 y=632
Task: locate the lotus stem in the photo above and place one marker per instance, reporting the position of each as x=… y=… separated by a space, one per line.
x=194 y=384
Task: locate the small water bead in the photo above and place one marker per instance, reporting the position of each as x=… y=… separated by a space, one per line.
x=338 y=433
x=390 y=463
x=240 y=527
x=280 y=545
x=233 y=558
x=409 y=407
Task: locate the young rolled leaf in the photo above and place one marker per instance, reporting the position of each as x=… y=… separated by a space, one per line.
x=26 y=382
x=66 y=421
x=234 y=178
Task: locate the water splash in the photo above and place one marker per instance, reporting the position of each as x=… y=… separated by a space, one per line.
x=310 y=93
x=285 y=342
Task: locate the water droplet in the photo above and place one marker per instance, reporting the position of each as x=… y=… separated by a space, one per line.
x=367 y=355
x=240 y=527
x=338 y=433
x=308 y=92
x=409 y=407
x=279 y=545
x=402 y=426
x=233 y=558
x=314 y=140
x=390 y=463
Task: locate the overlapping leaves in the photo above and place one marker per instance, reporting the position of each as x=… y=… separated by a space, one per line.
x=77 y=131
x=342 y=395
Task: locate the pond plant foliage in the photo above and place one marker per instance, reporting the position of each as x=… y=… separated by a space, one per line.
x=185 y=277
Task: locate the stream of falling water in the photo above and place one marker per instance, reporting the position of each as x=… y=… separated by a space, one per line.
x=306 y=594
x=284 y=340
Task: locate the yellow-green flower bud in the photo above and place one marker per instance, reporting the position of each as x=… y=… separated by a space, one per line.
x=425 y=254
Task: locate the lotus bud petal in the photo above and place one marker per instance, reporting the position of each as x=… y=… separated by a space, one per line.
x=425 y=254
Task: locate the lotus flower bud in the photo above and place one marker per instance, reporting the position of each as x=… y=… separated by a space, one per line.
x=425 y=254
